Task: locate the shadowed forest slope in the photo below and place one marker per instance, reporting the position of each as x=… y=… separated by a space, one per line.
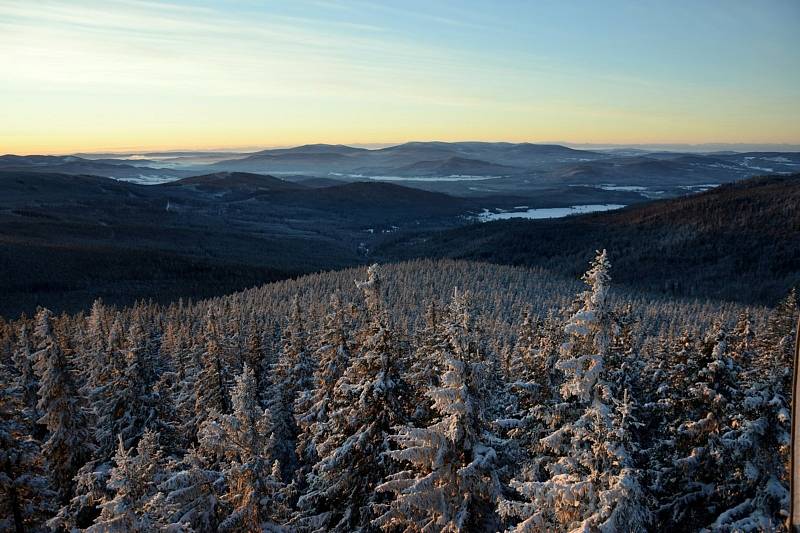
x=740 y=241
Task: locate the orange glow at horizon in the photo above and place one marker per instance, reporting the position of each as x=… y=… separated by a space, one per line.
x=92 y=76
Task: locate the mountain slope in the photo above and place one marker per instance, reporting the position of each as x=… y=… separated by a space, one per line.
x=113 y=168
x=233 y=186
x=740 y=241
x=65 y=240
x=230 y=180
x=379 y=201
x=454 y=158
x=455 y=166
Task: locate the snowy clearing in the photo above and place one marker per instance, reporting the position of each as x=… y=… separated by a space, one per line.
x=455 y=177
x=548 y=212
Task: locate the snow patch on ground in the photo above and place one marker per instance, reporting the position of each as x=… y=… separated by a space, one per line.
x=699 y=188
x=629 y=188
x=143 y=179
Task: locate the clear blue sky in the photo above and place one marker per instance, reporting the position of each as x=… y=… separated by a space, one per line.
x=85 y=75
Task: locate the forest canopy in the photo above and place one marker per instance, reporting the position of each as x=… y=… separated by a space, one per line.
x=428 y=396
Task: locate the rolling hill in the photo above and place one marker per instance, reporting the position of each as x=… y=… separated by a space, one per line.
x=450 y=167
x=120 y=169
x=65 y=240
x=739 y=241
x=235 y=180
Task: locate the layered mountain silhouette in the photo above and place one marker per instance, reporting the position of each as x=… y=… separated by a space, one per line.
x=451 y=167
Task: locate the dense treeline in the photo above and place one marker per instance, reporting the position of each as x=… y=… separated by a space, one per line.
x=432 y=396
x=67 y=277
x=739 y=241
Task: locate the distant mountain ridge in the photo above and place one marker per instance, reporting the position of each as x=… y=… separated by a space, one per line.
x=466 y=156
x=515 y=168
x=122 y=169
x=454 y=166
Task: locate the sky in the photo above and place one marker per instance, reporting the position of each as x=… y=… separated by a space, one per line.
x=84 y=75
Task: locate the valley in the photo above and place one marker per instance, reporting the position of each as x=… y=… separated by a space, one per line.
x=66 y=239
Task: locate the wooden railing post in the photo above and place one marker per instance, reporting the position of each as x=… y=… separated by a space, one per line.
x=794 y=457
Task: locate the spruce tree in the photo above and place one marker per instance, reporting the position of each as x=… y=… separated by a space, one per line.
x=68 y=445
x=26 y=497
x=26 y=380
x=188 y=496
x=452 y=482
x=242 y=441
x=370 y=399
x=332 y=355
x=292 y=376
x=211 y=386
x=133 y=479
x=593 y=480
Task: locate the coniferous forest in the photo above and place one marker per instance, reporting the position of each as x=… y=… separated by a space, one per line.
x=423 y=396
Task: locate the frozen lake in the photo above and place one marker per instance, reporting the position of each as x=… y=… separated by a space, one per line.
x=455 y=177
x=548 y=212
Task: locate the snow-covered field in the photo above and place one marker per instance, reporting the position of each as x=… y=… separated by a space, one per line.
x=455 y=177
x=149 y=180
x=699 y=188
x=548 y=212
x=628 y=188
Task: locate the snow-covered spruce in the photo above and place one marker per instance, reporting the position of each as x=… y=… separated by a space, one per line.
x=241 y=442
x=26 y=496
x=133 y=479
x=68 y=445
x=450 y=482
x=593 y=483
x=292 y=377
x=370 y=398
x=332 y=356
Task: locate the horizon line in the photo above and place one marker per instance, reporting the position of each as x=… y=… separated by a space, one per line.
x=785 y=146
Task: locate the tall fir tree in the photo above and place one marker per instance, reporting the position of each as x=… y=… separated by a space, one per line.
x=593 y=483
x=133 y=480
x=292 y=376
x=370 y=399
x=26 y=497
x=242 y=441
x=68 y=445
x=332 y=355
x=452 y=482
x=188 y=497
x=211 y=386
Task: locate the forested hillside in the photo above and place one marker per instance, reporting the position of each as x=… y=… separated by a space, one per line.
x=427 y=396
x=66 y=240
x=739 y=241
